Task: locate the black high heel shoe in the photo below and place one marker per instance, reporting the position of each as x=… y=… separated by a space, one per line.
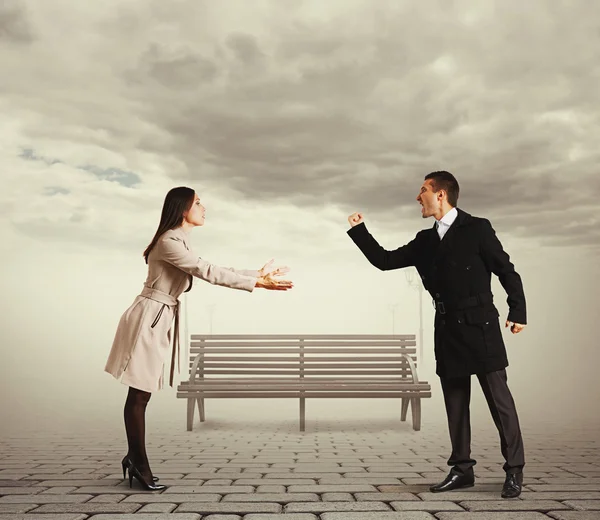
x=134 y=472
x=126 y=462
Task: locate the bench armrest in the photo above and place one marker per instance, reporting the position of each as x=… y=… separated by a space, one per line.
x=413 y=368
x=194 y=368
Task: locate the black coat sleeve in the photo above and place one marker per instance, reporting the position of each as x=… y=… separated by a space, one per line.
x=381 y=258
x=498 y=262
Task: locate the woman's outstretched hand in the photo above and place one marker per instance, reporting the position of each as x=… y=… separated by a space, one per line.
x=267 y=279
x=274 y=271
x=268 y=282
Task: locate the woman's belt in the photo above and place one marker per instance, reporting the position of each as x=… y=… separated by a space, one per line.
x=168 y=301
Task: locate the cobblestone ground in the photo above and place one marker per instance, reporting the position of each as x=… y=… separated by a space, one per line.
x=268 y=470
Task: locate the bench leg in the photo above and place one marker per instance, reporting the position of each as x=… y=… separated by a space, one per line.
x=201 y=408
x=405 y=403
x=415 y=406
x=302 y=413
x=191 y=403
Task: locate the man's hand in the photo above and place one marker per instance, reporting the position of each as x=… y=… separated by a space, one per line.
x=355 y=219
x=515 y=328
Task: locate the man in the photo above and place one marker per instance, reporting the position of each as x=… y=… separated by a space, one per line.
x=455 y=259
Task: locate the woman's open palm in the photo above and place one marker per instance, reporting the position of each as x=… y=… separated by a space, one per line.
x=268 y=269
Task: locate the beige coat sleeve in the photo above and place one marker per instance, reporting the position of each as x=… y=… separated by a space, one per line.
x=173 y=251
x=245 y=272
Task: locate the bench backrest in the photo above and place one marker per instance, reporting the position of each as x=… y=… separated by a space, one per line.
x=311 y=356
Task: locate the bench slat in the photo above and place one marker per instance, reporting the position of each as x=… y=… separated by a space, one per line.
x=338 y=387
x=286 y=380
x=307 y=350
x=196 y=387
x=307 y=372
x=402 y=382
x=316 y=394
x=306 y=359
x=344 y=337
x=298 y=365
x=297 y=344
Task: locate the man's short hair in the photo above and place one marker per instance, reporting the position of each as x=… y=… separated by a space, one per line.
x=443 y=180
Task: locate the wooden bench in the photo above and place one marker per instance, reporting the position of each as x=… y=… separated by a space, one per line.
x=303 y=367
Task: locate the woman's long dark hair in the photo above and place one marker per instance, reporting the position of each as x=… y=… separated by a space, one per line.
x=177 y=202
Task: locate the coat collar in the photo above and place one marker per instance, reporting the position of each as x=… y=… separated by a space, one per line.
x=449 y=218
x=179 y=232
x=444 y=246
x=461 y=219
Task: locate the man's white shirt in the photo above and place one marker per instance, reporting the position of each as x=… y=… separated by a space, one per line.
x=445 y=222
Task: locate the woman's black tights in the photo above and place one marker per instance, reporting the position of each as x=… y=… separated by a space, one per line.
x=135 y=426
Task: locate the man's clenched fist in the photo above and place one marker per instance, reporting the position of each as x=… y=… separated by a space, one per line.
x=355 y=219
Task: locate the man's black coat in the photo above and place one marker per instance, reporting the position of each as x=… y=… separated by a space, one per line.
x=456 y=271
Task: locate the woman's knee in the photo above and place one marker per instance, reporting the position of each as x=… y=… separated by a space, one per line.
x=138 y=396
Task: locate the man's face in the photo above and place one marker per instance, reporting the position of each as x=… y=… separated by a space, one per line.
x=430 y=201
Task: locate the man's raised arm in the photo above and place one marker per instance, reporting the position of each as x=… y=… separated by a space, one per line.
x=381 y=258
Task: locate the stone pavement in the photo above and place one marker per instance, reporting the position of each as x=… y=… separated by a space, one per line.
x=263 y=470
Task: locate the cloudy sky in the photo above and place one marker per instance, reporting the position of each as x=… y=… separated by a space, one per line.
x=286 y=116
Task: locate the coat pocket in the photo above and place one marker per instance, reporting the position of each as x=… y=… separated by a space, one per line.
x=486 y=320
x=475 y=316
x=480 y=315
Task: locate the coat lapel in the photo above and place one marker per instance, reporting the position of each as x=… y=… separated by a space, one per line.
x=446 y=243
x=434 y=237
x=184 y=238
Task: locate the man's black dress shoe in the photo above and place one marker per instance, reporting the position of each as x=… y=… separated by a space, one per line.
x=453 y=481
x=512 y=485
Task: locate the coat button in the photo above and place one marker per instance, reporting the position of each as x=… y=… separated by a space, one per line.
x=437 y=294
x=468 y=267
x=459 y=321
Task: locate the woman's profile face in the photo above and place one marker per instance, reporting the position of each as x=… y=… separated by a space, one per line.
x=195 y=215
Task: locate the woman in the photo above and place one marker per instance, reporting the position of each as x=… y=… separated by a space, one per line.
x=143 y=337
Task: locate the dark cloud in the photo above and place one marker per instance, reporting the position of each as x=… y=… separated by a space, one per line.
x=245 y=49
x=503 y=118
x=179 y=69
x=352 y=105
x=14 y=23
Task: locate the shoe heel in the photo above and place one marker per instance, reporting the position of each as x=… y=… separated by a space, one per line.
x=125 y=463
x=134 y=472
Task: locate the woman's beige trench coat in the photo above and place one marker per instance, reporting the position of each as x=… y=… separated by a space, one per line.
x=143 y=338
